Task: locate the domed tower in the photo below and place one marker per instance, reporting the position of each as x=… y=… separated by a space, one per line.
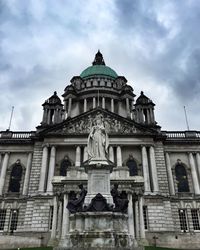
x=53 y=110
x=144 y=110
x=98 y=86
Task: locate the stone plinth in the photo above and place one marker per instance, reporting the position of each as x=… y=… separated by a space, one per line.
x=98 y=179
x=98 y=230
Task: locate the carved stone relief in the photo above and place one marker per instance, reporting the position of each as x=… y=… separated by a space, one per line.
x=84 y=125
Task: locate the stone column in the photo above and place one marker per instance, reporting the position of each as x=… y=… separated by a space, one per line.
x=112 y=105
x=111 y=154
x=78 y=156
x=137 y=230
x=65 y=221
x=44 y=120
x=69 y=107
x=145 y=166
x=85 y=154
x=130 y=216
x=153 y=169
x=198 y=163
x=59 y=227
x=94 y=102
x=141 y=218
x=27 y=174
x=55 y=215
x=127 y=107
x=3 y=171
x=43 y=171
x=0 y=161
x=85 y=105
x=119 y=156
x=194 y=174
x=51 y=169
x=49 y=116
x=103 y=102
x=170 y=176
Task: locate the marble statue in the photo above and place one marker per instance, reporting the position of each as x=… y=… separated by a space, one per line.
x=98 y=139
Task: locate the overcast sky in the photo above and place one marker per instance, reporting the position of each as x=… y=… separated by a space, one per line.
x=154 y=44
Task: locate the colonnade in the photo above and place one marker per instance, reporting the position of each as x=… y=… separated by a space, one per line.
x=52 y=115
x=4 y=163
x=195 y=171
x=149 y=166
x=100 y=102
x=148 y=117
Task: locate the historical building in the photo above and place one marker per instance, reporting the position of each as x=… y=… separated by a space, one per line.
x=158 y=170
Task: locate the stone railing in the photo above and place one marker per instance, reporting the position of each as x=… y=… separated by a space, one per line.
x=182 y=134
x=16 y=135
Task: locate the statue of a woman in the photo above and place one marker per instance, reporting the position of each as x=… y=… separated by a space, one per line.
x=98 y=140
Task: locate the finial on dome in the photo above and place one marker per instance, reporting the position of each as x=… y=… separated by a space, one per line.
x=55 y=93
x=98 y=60
x=142 y=93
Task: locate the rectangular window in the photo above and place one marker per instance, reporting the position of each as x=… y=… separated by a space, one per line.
x=195 y=219
x=2 y=218
x=145 y=214
x=13 y=219
x=51 y=217
x=183 y=220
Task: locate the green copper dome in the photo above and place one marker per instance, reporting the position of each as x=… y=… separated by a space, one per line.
x=98 y=68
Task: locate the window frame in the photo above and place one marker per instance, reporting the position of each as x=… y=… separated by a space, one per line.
x=186 y=222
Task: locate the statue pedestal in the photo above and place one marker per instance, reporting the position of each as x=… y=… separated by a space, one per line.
x=98 y=171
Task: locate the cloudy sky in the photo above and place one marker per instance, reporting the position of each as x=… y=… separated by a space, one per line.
x=154 y=44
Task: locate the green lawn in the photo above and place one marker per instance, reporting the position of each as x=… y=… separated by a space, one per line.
x=33 y=248
x=159 y=248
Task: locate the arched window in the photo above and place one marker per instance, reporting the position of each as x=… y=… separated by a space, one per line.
x=65 y=163
x=15 y=177
x=181 y=177
x=132 y=165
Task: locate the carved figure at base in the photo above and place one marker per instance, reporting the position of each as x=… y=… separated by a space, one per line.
x=76 y=204
x=120 y=200
x=98 y=139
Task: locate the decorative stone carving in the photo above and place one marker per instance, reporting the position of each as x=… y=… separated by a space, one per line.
x=84 y=125
x=98 y=140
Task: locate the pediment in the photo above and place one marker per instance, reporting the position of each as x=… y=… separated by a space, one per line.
x=82 y=124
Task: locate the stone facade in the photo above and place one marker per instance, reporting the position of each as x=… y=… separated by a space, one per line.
x=159 y=170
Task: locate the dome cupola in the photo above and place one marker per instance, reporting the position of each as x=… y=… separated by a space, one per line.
x=98 y=68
